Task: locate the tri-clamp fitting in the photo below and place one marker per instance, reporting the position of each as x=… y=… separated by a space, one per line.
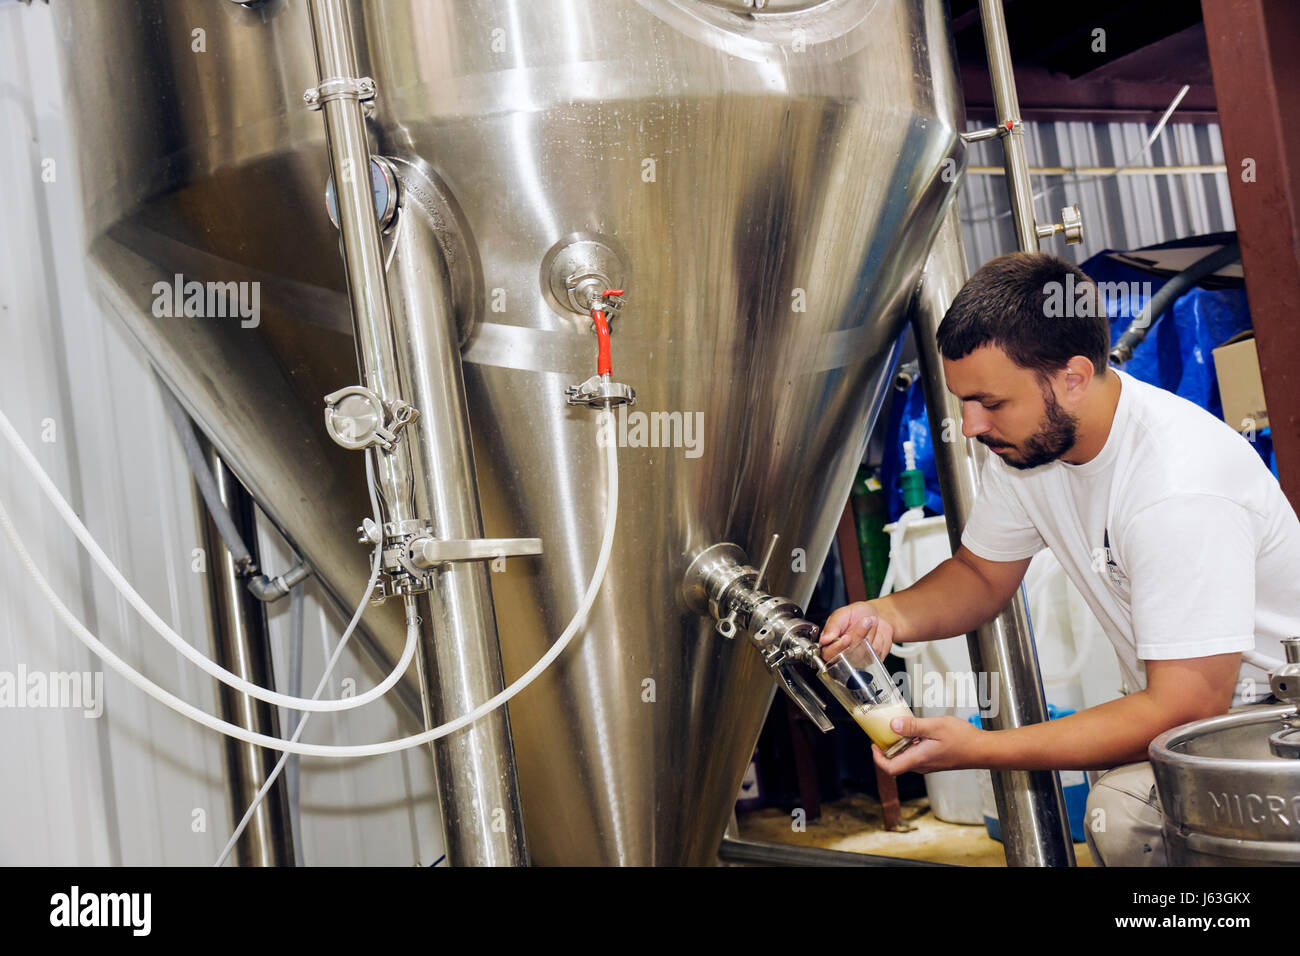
x=357 y=418
x=411 y=553
x=721 y=585
x=1285 y=684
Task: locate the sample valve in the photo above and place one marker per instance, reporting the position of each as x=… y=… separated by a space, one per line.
x=600 y=391
x=721 y=585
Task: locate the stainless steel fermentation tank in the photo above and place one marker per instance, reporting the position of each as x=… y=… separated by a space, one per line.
x=765 y=186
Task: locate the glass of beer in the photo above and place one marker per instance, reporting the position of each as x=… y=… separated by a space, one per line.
x=869 y=695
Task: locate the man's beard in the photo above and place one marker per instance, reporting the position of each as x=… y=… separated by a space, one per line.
x=1056 y=434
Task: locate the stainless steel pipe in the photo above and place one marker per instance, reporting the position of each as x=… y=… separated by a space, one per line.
x=349 y=153
x=478 y=783
x=1007 y=105
x=763 y=853
x=1031 y=805
x=241 y=644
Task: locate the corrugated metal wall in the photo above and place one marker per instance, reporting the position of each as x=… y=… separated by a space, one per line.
x=139 y=785
x=1119 y=212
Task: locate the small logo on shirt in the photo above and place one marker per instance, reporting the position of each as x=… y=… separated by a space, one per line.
x=1103 y=561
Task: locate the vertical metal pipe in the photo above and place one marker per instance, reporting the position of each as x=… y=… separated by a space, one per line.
x=1007 y=104
x=482 y=815
x=349 y=152
x=1031 y=805
x=478 y=785
x=241 y=644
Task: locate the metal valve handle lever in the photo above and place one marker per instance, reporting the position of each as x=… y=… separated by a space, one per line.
x=782 y=655
x=429 y=552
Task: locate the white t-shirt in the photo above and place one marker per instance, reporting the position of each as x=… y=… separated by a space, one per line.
x=1176 y=534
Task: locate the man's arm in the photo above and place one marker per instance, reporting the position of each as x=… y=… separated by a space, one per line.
x=1098 y=738
x=958 y=596
x=961 y=593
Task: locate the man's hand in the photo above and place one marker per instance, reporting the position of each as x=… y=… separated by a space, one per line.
x=852 y=624
x=948 y=743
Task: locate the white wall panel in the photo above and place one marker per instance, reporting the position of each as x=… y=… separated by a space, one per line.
x=123 y=789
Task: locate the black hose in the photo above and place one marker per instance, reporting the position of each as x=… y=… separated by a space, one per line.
x=262 y=586
x=204 y=479
x=1169 y=292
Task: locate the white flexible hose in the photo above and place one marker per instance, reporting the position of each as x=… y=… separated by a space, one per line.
x=1270 y=664
x=188 y=651
x=412 y=633
x=326 y=750
x=896 y=548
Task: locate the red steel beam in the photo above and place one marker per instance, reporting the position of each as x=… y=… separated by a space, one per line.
x=1255 y=58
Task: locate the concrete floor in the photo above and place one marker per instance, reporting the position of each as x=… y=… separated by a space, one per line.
x=853 y=824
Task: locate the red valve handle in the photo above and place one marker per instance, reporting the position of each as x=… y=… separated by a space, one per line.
x=604 y=363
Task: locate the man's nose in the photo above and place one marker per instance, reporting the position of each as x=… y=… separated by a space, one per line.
x=973 y=423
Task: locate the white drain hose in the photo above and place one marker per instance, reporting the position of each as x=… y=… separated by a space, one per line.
x=412 y=634
x=188 y=651
x=326 y=750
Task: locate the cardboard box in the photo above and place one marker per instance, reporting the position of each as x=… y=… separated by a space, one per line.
x=1236 y=363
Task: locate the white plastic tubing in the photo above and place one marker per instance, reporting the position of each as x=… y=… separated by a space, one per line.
x=274 y=743
x=412 y=630
x=188 y=651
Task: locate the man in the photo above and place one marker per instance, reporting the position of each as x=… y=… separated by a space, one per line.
x=1165 y=519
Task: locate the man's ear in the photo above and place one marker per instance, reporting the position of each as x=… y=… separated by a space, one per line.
x=1077 y=376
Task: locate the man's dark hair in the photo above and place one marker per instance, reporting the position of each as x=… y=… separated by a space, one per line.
x=1037 y=308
